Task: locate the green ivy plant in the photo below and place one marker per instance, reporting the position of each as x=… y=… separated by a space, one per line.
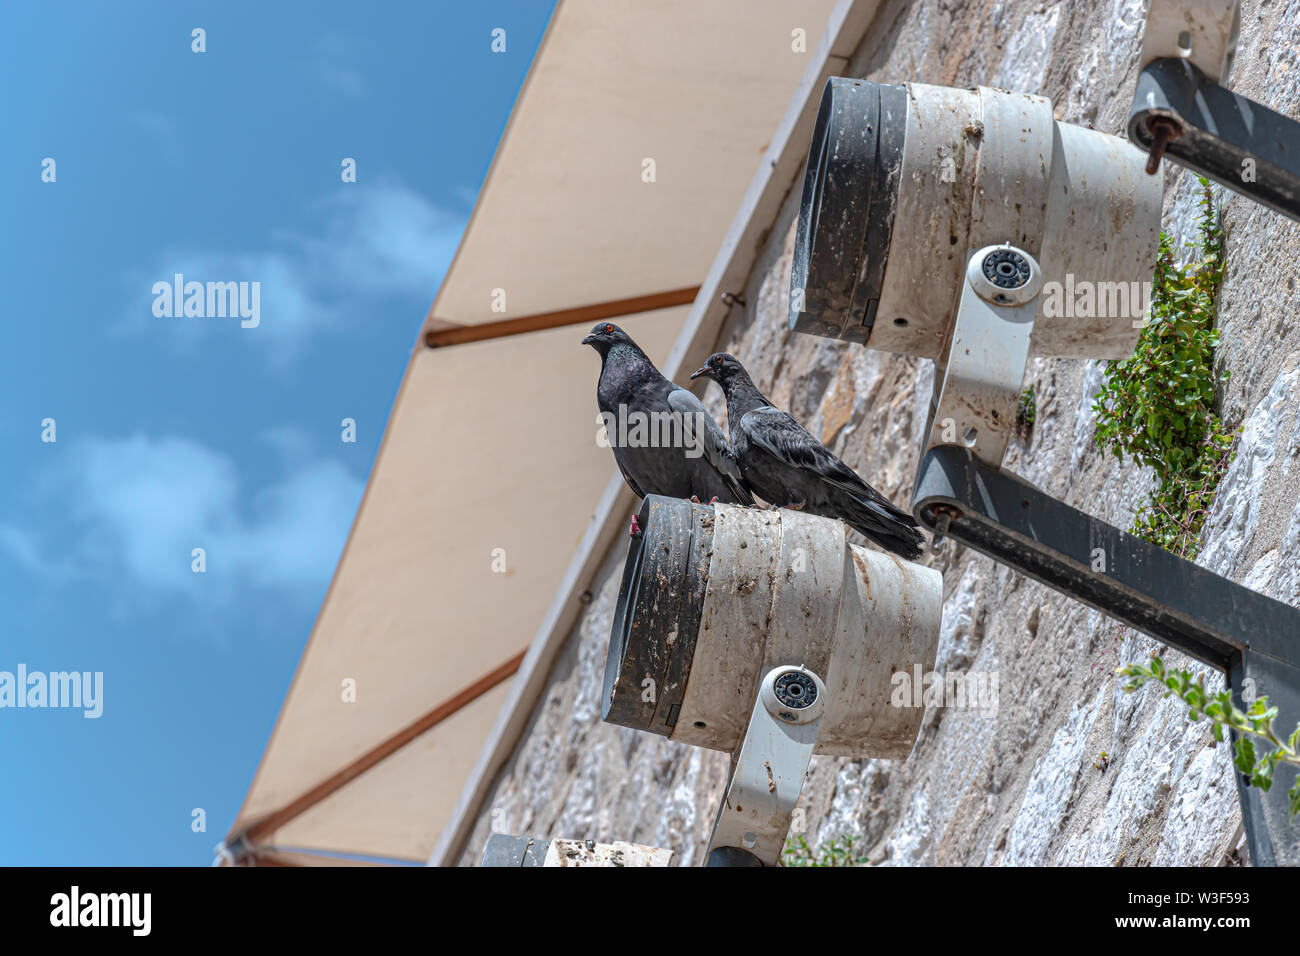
x=1026 y=412
x=1157 y=406
x=1251 y=725
x=837 y=851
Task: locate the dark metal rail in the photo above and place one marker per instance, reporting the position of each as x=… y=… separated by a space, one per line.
x=1254 y=639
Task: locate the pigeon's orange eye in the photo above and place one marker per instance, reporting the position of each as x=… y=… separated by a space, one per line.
x=717 y=360
x=609 y=328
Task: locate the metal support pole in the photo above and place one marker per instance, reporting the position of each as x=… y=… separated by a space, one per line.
x=1253 y=638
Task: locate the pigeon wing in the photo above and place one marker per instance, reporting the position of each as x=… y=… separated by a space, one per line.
x=700 y=426
x=778 y=434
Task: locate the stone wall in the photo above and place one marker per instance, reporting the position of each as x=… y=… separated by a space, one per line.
x=1021 y=787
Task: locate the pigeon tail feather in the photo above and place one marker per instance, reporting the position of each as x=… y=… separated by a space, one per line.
x=893 y=532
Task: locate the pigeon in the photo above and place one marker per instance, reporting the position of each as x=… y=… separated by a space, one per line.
x=786 y=466
x=664 y=440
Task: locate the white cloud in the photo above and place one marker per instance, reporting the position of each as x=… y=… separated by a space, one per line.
x=386 y=239
x=24 y=547
x=140 y=505
x=374 y=240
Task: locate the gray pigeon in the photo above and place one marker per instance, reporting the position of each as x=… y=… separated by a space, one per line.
x=663 y=438
x=787 y=467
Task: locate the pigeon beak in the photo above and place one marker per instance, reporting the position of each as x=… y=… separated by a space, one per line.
x=589 y=339
x=700 y=371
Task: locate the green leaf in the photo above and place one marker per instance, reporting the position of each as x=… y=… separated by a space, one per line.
x=1245 y=755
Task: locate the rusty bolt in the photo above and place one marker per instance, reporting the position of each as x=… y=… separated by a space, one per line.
x=944 y=516
x=1163 y=131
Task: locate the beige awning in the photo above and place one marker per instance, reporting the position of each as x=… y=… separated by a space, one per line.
x=489 y=472
x=567 y=218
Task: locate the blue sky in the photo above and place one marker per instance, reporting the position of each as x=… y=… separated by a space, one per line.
x=176 y=433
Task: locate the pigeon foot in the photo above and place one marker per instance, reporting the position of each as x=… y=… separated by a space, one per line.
x=635 y=529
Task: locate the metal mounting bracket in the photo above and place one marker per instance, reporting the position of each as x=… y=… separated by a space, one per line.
x=768 y=770
x=1200 y=32
x=1180 y=110
x=976 y=389
x=1253 y=638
